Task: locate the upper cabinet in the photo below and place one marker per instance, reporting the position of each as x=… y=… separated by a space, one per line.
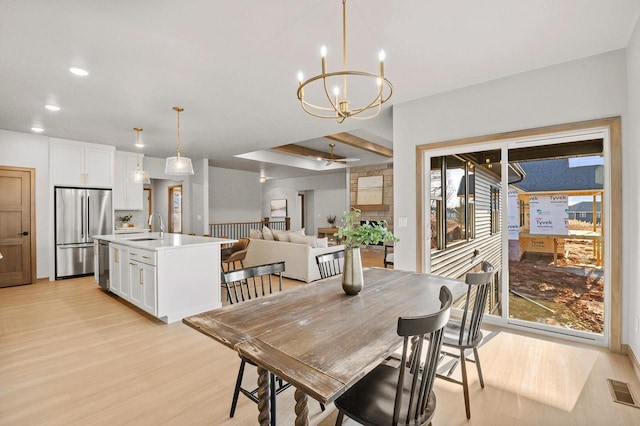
x=81 y=164
x=127 y=194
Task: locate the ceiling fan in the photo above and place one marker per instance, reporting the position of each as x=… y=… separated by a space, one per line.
x=332 y=158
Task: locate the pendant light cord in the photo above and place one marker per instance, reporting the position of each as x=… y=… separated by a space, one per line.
x=178 y=110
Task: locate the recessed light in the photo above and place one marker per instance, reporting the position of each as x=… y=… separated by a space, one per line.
x=37 y=129
x=79 y=71
x=52 y=107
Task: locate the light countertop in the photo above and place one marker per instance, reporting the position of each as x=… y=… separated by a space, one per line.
x=129 y=230
x=152 y=240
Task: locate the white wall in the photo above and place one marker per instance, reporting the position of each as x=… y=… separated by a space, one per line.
x=27 y=150
x=330 y=197
x=630 y=198
x=234 y=196
x=200 y=197
x=584 y=89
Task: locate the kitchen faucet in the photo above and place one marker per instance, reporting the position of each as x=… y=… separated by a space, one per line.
x=161 y=223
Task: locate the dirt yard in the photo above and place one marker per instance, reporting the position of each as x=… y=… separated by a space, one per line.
x=571 y=293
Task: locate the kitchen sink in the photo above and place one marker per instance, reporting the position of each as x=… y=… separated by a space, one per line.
x=143 y=239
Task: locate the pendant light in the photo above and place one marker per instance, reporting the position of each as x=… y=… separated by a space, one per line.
x=178 y=165
x=139 y=176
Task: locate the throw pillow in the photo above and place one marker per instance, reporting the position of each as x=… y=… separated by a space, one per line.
x=322 y=242
x=304 y=239
x=267 y=234
x=256 y=234
x=277 y=235
x=299 y=232
x=282 y=236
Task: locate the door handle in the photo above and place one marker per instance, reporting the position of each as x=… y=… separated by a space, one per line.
x=25 y=233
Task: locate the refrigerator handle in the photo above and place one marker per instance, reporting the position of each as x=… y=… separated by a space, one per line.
x=88 y=219
x=83 y=216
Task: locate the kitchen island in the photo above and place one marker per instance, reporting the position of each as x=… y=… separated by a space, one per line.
x=170 y=276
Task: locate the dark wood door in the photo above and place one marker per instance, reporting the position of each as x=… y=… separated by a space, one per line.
x=17 y=225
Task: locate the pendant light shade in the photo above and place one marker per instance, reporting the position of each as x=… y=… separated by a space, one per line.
x=139 y=176
x=178 y=165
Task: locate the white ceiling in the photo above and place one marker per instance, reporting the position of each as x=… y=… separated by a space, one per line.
x=232 y=65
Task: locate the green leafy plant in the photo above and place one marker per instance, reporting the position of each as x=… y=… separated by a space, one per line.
x=354 y=234
x=125 y=218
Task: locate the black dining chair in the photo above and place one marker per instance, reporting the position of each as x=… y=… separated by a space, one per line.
x=330 y=264
x=465 y=334
x=404 y=395
x=388 y=255
x=246 y=284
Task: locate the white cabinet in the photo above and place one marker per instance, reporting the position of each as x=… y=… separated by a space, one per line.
x=127 y=194
x=143 y=279
x=81 y=164
x=119 y=282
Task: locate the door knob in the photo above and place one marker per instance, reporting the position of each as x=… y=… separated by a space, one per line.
x=25 y=233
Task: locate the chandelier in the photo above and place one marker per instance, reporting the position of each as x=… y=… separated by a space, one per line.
x=139 y=176
x=336 y=105
x=178 y=165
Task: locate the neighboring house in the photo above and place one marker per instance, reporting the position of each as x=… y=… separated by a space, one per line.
x=583 y=211
x=473 y=232
x=559 y=175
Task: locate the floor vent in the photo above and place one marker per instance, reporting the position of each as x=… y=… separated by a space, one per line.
x=621 y=393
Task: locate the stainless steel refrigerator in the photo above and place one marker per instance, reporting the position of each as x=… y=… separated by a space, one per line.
x=79 y=214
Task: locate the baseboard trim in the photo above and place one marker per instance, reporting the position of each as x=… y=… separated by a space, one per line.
x=633 y=358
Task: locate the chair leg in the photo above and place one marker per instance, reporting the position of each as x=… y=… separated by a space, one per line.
x=465 y=383
x=236 y=391
x=340 y=418
x=477 y=358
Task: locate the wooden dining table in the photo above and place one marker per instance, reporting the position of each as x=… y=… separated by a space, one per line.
x=319 y=339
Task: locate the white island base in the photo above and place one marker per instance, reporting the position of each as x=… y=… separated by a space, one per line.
x=170 y=277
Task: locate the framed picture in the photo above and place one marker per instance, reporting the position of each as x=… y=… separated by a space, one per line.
x=278 y=208
x=369 y=190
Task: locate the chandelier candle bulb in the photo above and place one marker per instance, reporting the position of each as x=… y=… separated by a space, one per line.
x=323 y=59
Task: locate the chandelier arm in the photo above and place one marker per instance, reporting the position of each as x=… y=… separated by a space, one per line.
x=306 y=105
x=335 y=106
x=375 y=103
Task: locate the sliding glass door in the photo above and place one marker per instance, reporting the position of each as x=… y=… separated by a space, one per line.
x=556 y=263
x=535 y=208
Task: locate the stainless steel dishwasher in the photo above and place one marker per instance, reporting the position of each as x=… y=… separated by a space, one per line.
x=103 y=264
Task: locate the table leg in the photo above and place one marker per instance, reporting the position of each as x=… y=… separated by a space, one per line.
x=264 y=397
x=302 y=408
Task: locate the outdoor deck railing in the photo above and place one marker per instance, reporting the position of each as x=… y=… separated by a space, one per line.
x=237 y=230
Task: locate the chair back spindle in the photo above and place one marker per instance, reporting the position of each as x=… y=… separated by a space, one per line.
x=330 y=264
x=252 y=282
x=475 y=303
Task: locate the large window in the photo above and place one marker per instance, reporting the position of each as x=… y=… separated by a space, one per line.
x=452 y=202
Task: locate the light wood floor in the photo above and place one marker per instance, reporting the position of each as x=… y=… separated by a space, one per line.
x=71 y=354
